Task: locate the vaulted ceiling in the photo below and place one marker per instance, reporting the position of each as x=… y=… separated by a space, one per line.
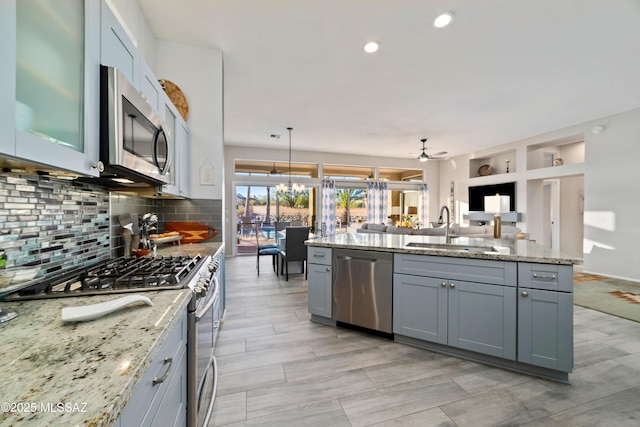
x=503 y=70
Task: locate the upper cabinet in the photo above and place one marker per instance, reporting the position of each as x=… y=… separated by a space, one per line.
x=7 y=77
x=116 y=47
x=150 y=87
x=50 y=83
x=178 y=132
x=170 y=121
x=184 y=163
x=119 y=51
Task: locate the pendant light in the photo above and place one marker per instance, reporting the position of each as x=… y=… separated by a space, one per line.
x=290 y=189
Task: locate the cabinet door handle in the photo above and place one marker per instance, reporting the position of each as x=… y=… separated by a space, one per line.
x=443 y=284
x=453 y=285
x=328 y=268
x=544 y=277
x=525 y=294
x=156 y=380
x=318 y=255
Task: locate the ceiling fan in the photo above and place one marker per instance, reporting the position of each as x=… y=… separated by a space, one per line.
x=423 y=157
x=274 y=171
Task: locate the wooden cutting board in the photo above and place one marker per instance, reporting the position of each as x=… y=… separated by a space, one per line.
x=193 y=232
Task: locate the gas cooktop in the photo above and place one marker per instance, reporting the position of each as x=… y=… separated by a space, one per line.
x=119 y=275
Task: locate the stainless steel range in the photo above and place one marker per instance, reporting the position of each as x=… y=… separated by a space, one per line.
x=123 y=275
x=116 y=276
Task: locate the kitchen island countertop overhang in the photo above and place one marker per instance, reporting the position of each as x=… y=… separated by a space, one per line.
x=497 y=249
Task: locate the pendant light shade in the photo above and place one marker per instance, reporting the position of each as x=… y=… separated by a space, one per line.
x=289 y=188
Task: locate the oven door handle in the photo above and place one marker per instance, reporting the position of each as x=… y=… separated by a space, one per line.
x=201 y=313
x=207 y=417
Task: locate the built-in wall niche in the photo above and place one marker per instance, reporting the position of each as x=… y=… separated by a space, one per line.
x=554 y=154
x=477 y=195
x=499 y=163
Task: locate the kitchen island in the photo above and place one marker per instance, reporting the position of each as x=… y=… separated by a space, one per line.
x=503 y=302
x=84 y=373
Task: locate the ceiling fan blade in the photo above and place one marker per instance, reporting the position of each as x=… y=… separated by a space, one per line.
x=439 y=154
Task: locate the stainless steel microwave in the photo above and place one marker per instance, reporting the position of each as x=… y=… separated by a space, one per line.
x=134 y=142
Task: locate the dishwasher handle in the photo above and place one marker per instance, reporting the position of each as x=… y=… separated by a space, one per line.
x=352 y=258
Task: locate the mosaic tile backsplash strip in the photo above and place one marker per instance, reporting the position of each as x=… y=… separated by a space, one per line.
x=57 y=224
x=64 y=224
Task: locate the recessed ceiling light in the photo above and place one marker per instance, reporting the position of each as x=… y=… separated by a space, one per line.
x=371 y=47
x=443 y=20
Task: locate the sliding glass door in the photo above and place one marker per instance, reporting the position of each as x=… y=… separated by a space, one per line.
x=258 y=207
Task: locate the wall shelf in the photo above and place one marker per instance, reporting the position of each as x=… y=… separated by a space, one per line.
x=497 y=161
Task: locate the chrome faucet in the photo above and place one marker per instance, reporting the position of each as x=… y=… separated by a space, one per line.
x=447 y=236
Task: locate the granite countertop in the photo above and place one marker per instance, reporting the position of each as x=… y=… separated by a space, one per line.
x=91 y=367
x=202 y=248
x=501 y=250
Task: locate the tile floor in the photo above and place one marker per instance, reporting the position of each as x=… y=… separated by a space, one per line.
x=277 y=368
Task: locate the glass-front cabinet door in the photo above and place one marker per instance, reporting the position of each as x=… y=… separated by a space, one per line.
x=7 y=76
x=56 y=106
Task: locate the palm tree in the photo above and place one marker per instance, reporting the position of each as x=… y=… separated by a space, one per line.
x=246 y=205
x=346 y=198
x=268 y=214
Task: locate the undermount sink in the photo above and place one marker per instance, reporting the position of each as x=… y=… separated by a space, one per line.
x=451 y=247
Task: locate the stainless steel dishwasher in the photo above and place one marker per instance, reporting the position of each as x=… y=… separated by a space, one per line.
x=363 y=289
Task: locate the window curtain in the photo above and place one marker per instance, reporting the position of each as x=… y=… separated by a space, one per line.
x=377 y=201
x=423 y=205
x=328 y=227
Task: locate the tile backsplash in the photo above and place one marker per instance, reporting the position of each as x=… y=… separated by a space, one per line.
x=58 y=224
x=65 y=224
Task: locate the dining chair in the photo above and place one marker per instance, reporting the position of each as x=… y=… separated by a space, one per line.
x=297 y=222
x=294 y=249
x=271 y=249
x=281 y=225
x=246 y=226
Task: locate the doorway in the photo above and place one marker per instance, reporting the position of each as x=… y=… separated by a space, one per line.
x=551 y=219
x=258 y=207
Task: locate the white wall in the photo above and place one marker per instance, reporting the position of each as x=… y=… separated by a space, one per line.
x=198 y=73
x=612 y=199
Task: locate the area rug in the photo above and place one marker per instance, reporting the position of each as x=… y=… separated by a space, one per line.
x=612 y=296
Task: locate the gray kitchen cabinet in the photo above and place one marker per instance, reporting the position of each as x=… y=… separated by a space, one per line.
x=49 y=106
x=119 y=51
x=116 y=48
x=8 y=77
x=431 y=303
x=150 y=87
x=319 y=272
x=420 y=307
x=172 y=121
x=184 y=161
x=160 y=399
x=545 y=316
